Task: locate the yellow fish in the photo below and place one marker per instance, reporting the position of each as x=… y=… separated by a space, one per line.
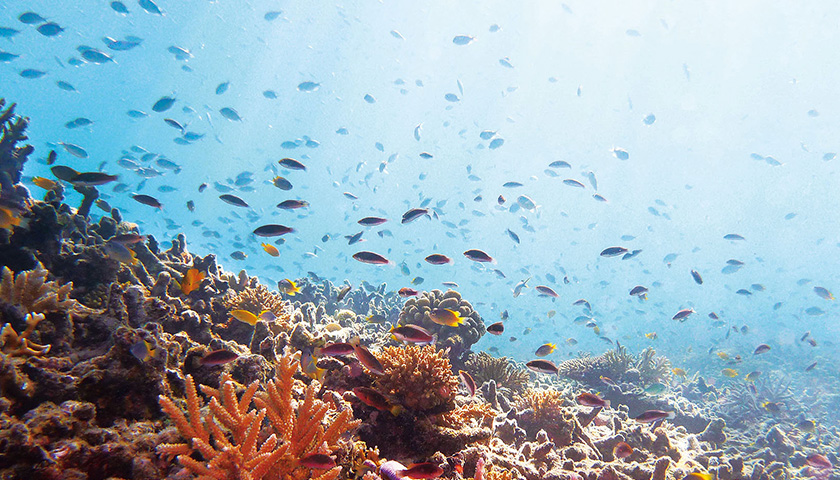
x=752 y=376
x=309 y=365
x=678 y=372
x=288 y=287
x=445 y=316
x=652 y=335
x=191 y=280
x=698 y=476
x=45 y=183
x=546 y=349
x=723 y=355
x=9 y=218
x=728 y=372
x=120 y=253
x=143 y=350
x=271 y=250
x=245 y=316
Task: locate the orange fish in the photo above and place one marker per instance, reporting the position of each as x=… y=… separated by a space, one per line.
x=372 y=398
x=421 y=470
x=622 y=450
x=271 y=250
x=320 y=461
x=819 y=461
x=9 y=218
x=591 y=400
x=368 y=360
x=45 y=183
x=468 y=381
x=191 y=280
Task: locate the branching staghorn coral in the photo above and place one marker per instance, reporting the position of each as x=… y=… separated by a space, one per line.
x=418 y=378
x=30 y=290
x=484 y=367
x=228 y=435
x=19 y=345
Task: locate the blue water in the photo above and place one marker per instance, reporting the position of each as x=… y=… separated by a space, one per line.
x=728 y=85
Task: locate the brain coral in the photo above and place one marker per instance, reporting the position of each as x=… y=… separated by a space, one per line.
x=417 y=311
x=418 y=378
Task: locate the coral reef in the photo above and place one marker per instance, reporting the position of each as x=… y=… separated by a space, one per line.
x=484 y=367
x=417 y=311
x=257 y=299
x=13 y=195
x=30 y=291
x=109 y=368
x=419 y=378
x=14 y=344
x=365 y=300
x=228 y=435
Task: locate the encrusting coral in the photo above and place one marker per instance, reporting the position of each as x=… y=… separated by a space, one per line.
x=418 y=378
x=30 y=291
x=228 y=434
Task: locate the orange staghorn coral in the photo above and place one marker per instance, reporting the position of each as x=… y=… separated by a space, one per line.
x=33 y=293
x=14 y=344
x=418 y=378
x=228 y=435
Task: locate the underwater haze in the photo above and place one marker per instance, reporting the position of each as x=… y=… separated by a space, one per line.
x=587 y=148
x=724 y=112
